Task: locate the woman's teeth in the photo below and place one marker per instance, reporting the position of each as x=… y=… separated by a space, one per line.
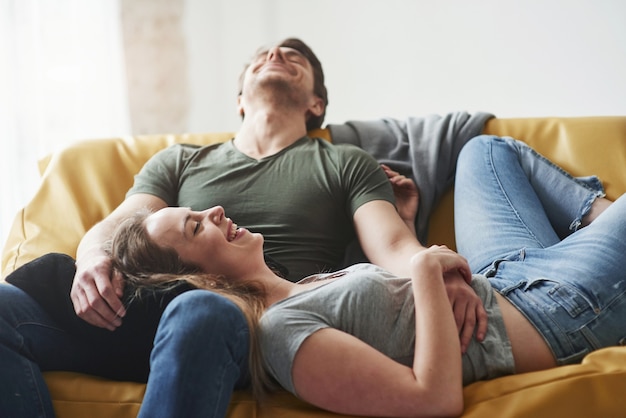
x=233 y=232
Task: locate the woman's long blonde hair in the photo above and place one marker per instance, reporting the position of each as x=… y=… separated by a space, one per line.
x=148 y=267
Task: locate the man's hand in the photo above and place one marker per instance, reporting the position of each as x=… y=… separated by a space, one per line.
x=97 y=291
x=406 y=193
x=469 y=312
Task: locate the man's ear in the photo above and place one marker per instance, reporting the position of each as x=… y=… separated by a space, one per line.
x=239 y=105
x=317 y=106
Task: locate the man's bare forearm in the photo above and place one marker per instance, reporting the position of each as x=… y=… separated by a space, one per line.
x=93 y=240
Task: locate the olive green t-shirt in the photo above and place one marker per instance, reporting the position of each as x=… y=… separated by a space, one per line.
x=301 y=199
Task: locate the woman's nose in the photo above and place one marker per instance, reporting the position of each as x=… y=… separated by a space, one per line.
x=215 y=214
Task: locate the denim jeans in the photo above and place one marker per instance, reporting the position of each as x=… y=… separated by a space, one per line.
x=517 y=220
x=200 y=355
x=200 y=350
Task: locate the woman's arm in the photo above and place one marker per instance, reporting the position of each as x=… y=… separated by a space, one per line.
x=388 y=243
x=338 y=372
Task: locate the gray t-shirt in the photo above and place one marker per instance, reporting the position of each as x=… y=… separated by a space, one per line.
x=377 y=308
x=301 y=199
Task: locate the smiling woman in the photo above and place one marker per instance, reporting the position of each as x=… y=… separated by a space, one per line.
x=206 y=239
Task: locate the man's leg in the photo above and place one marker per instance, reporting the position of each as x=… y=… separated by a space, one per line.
x=121 y=355
x=30 y=342
x=200 y=355
x=508 y=197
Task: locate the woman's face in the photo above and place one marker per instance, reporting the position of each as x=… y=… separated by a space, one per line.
x=207 y=239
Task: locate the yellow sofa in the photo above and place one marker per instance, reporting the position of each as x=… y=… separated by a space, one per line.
x=83 y=183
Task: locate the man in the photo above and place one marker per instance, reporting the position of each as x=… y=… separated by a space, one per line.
x=309 y=199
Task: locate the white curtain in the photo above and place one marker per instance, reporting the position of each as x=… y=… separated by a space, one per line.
x=62 y=79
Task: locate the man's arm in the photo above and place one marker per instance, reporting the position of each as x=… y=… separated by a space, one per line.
x=388 y=242
x=407 y=196
x=96 y=291
x=384 y=237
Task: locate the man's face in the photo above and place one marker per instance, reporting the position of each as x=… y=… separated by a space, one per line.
x=279 y=68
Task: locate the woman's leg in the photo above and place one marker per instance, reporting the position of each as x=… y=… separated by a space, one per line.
x=574 y=292
x=200 y=355
x=508 y=197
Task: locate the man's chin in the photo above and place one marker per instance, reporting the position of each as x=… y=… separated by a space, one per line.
x=276 y=82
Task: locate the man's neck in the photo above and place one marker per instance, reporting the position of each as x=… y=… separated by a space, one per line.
x=264 y=133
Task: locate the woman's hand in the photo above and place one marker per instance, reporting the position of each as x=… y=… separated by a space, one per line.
x=450 y=261
x=469 y=313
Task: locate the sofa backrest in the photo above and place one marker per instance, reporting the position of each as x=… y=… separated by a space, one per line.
x=582 y=146
x=84 y=182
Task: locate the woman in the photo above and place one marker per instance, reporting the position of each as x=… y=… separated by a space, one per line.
x=363 y=342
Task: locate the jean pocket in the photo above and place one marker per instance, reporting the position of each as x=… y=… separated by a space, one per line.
x=571 y=299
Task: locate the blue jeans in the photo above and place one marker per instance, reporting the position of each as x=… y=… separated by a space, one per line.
x=200 y=355
x=200 y=350
x=517 y=220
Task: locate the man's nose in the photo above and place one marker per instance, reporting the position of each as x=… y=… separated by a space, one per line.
x=275 y=54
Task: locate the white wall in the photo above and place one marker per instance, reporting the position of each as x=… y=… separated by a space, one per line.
x=413 y=57
x=399 y=58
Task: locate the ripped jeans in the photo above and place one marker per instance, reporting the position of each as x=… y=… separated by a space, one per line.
x=517 y=221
